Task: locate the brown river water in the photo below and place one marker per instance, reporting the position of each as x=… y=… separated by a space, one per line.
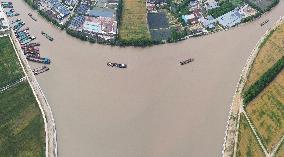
x=155 y=107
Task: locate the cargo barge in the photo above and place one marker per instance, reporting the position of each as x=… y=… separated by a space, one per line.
x=40 y=70
x=47 y=36
x=38 y=59
x=31 y=16
x=187 y=61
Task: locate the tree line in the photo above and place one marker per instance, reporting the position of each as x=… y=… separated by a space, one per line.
x=263 y=81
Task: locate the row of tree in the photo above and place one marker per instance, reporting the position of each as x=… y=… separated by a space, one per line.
x=261 y=10
x=264 y=80
x=50 y=19
x=32 y=3
x=224 y=8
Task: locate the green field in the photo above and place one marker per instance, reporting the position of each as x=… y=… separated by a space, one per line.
x=266 y=108
x=280 y=151
x=247 y=143
x=10 y=69
x=272 y=49
x=21 y=124
x=133 y=25
x=267 y=112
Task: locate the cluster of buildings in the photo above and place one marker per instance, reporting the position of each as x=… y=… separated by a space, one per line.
x=96 y=18
x=153 y=5
x=199 y=21
x=236 y=16
x=4 y=24
x=55 y=9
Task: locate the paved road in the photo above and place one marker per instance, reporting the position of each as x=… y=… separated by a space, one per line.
x=155 y=107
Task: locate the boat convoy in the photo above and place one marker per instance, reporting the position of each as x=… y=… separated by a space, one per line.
x=29 y=48
x=119 y=65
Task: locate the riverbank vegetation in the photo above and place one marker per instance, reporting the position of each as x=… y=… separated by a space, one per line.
x=263 y=5
x=271 y=50
x=263 y=94
x=225 y=7
x=10 y=68
x=247 y=142
x=133 y=23
x=280 y=151
x=263 y=81
x=21 y=123
x=135 y=30
x=31 y=3
x=53 y=21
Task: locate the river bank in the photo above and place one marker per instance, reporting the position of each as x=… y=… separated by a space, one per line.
x=231 y=138
x=153 y=108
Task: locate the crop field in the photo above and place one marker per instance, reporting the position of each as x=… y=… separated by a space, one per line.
x=158 y=20
x=280 y=151
x=234 y=2
x=133 y=25
x=21 y=125
x=267 y=112
x=10 y=69
x=163 y=34
x=263 y=5
x=247 y=143
x=270 y=52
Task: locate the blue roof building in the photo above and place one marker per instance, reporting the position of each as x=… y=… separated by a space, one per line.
x=208 y=22
x=60 y=8
x=77 y=22
x=83 y=9
x=102 y=12
x=231 y=18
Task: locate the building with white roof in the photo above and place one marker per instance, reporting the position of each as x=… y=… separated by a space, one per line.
x=4 y=23
x=231 y=18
